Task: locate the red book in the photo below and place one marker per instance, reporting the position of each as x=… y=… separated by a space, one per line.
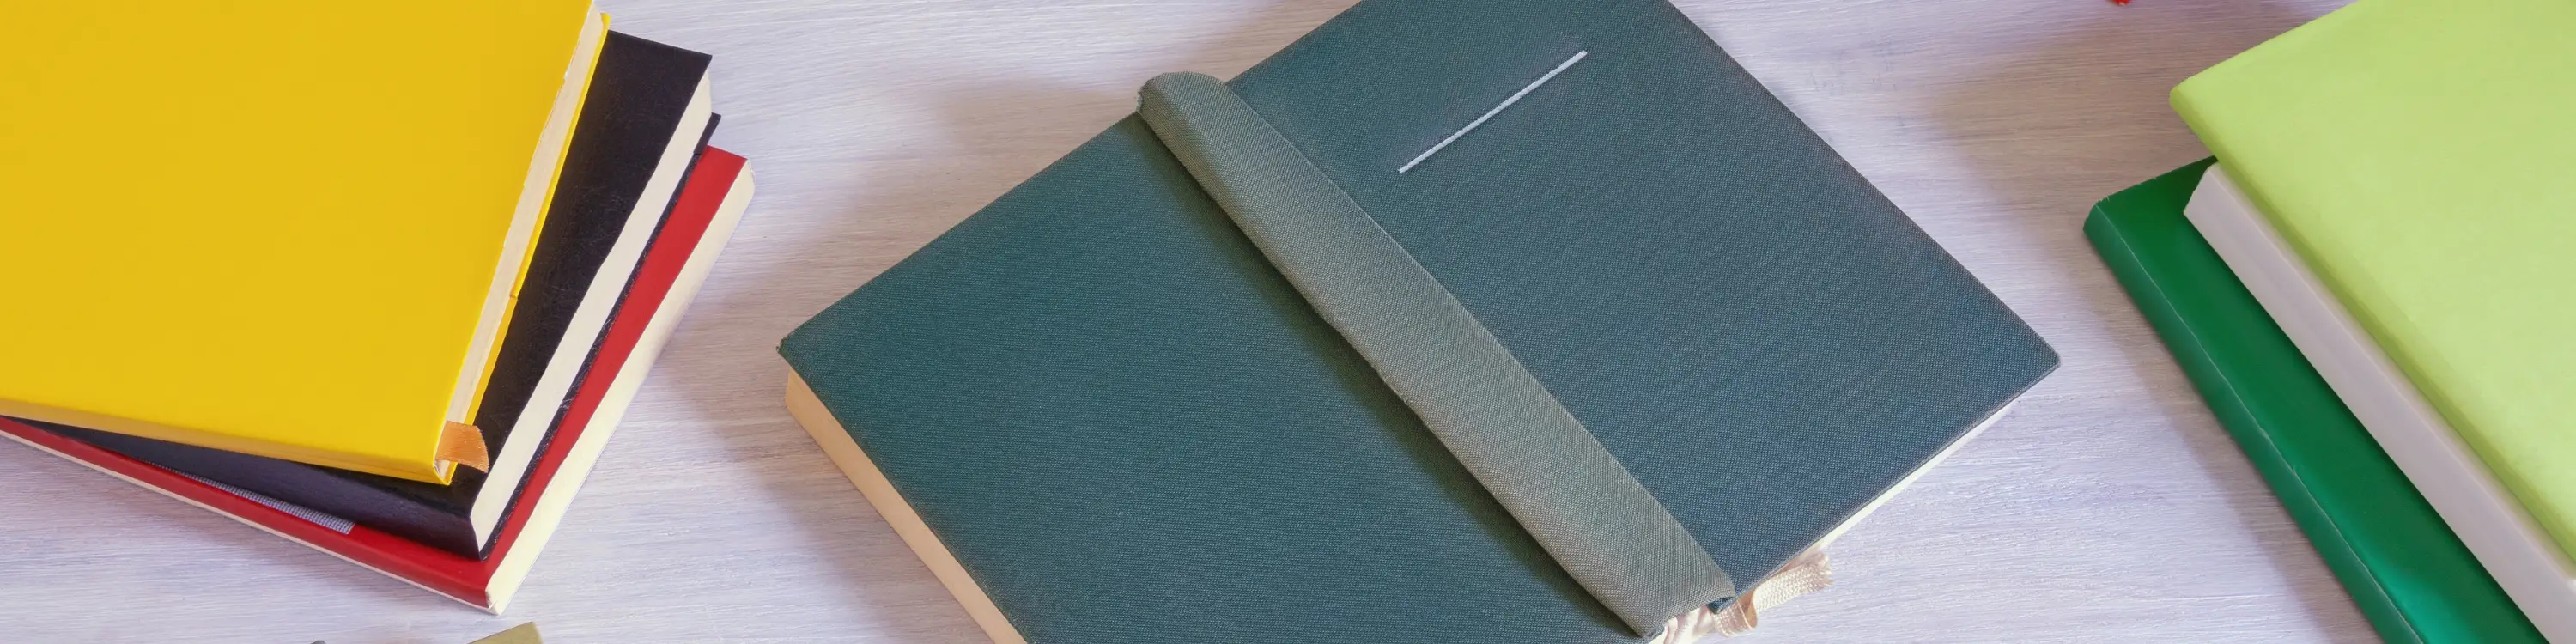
x=682 y=252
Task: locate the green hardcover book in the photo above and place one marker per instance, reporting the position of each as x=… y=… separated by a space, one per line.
x=1306 y=355
x=2410 y=575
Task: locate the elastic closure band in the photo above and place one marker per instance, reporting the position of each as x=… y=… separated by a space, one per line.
x=1554 y=478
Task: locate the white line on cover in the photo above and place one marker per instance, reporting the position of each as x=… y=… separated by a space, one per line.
x=1489 y=114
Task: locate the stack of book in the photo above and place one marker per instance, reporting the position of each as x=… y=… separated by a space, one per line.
x=2370 y=286
x=377 y=279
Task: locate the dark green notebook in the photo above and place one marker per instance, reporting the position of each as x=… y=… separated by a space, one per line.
x=1127 y=426
x=2409 y=574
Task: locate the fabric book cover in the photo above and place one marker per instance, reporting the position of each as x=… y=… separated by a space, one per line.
x=1307 y=358
x=675 y=265
x=644 y=116
x=2404 y=568
x=290 y=229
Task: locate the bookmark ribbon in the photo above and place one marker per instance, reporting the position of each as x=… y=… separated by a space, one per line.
x=1555 y=479
x=462 y=444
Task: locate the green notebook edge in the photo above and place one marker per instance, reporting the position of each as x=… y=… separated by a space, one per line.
x=2411 y=577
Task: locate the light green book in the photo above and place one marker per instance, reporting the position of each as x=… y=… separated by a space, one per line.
x=2408 y=168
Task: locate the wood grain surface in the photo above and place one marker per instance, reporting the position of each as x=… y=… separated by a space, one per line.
x=2108 y=508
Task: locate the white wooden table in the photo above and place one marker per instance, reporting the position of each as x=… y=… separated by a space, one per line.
x=2109 y=508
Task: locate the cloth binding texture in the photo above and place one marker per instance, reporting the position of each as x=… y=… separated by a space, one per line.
x=1551 y=474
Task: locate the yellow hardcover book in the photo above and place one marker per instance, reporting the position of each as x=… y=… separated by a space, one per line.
x=289 y=228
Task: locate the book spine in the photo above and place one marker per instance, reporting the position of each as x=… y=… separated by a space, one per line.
x=2228 y=404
